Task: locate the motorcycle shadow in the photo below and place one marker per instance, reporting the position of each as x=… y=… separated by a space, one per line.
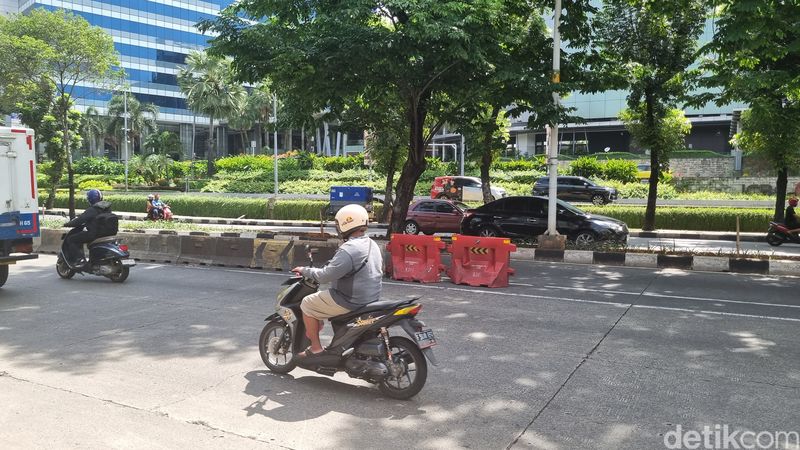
x=287 y=398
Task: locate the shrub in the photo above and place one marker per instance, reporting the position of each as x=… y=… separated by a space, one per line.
x=181 y=169
x=242 y=163
x=93 y=184
x=586 y=166
x=99 y=166
x=620 y=170
x=687 y=218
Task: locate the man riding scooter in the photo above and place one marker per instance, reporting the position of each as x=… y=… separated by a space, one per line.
x=93 y=228
x=354 y=272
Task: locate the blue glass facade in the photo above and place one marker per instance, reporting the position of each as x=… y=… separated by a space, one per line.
x=152 y=37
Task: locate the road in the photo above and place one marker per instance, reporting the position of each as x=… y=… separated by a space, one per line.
x=567 y=357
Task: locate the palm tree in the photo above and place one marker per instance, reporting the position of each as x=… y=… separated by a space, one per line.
x=93 y=129
x=259 y=103
x=208 y=84
x=242 y=120
x=141 y=118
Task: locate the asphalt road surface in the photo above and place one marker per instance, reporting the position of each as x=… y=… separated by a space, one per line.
x=568 y=357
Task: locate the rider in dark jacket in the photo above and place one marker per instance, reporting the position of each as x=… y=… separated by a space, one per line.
x=790 y=218
x=73 y=245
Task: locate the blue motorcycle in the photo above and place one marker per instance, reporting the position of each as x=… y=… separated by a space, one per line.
x=107 y=258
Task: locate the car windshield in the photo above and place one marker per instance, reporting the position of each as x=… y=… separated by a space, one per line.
x=462 y=206
x=571 y=208
x=588 y=182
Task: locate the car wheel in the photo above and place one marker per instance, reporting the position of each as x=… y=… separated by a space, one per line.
x=488 y=232
x=585 y=239
x=411 y=227
x=598 y=200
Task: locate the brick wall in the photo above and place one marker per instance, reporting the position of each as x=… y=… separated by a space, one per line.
x=764 y=185
x=702 y=167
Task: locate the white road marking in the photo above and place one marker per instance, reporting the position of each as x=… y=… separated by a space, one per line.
x=680 y=297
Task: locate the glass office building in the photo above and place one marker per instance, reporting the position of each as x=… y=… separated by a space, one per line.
x=712 y=126
x=153 y=38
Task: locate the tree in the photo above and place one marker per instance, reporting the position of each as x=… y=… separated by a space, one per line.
x=51 y=132
x=165 y=143
x=648 y=47
x=79 y=54
x=485 y=134
x=754 y=57
x=141 y=118
x=242 y=120
x=772 y=130
x=209 y=86
x=428 y=54
x=22 y=63
x=93 y=130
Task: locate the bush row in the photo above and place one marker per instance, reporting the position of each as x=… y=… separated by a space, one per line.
x=687 y=218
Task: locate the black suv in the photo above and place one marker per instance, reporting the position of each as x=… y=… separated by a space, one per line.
x=527 y=217
x=576 y=189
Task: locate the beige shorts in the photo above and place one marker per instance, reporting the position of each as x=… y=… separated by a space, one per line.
x=320 y=305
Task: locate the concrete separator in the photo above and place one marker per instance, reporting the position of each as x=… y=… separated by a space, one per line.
x=276 y=252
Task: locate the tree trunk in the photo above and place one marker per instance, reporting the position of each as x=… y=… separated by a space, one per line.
x=649 y=223
x=414 y=166
x=486 y=158
x=780 y=194
x=388 y=203
x=211 y=155
x=55 y=178
x=259 y=137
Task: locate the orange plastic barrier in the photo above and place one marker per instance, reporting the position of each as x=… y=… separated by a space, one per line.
x=416 y=258
x=480 y=261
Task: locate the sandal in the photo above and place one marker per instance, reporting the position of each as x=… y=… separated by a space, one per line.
x=307 y=353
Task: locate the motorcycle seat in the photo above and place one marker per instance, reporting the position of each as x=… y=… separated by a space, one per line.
x=380 y=305
x=102 y=240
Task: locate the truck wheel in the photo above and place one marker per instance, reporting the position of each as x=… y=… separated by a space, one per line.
x=3 y=274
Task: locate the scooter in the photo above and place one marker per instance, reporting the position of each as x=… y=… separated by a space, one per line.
x=778 y=234
x=107 y=257
x=361 y=346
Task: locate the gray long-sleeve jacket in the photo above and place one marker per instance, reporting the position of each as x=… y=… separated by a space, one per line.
x=355 y=273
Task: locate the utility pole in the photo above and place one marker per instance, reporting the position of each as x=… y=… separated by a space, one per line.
x=275 y=140
x=125 y=135
x=463 y=153
x=552 y=239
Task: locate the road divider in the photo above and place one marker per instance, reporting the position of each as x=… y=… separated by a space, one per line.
x=487 y=265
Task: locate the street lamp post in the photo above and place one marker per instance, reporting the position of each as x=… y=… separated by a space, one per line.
x=463 y=152
x=552 y=157
x=275 y=141
x=125 y=135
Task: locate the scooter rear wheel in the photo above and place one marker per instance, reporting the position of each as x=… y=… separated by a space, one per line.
x=415 y=370
x=63 y=270
x=270 y=339
x=120 y=276
x=773 y=239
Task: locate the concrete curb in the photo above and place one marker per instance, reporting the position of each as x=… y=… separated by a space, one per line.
x=282 y=252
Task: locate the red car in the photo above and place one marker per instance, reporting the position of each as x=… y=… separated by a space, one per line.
x=434 y=216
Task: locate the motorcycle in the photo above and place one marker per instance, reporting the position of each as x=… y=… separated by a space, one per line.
x=361 y=346
x=778 y=234
x=107 y=257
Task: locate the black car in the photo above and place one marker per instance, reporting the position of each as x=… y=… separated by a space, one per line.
x=576 y=189
x=527 y=217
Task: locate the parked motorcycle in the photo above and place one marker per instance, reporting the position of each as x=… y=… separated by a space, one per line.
x=107 y=257
x=778 y=234
x=361 y=346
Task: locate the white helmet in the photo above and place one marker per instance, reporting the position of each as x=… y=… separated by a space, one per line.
x=349 y=218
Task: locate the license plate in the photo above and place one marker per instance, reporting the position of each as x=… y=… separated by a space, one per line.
x=128 y=262
x=425 y=338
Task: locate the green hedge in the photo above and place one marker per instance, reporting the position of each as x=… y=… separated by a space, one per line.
x=251 y=208
x=687 y=218
x=667 y=217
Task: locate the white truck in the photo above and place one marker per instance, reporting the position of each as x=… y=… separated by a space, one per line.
x=19 y=207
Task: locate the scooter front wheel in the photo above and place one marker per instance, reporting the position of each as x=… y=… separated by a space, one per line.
x=63 y=269
x=275 y=346
x=773 y=239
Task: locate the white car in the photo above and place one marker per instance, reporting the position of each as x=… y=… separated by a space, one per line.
x=465 y=189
